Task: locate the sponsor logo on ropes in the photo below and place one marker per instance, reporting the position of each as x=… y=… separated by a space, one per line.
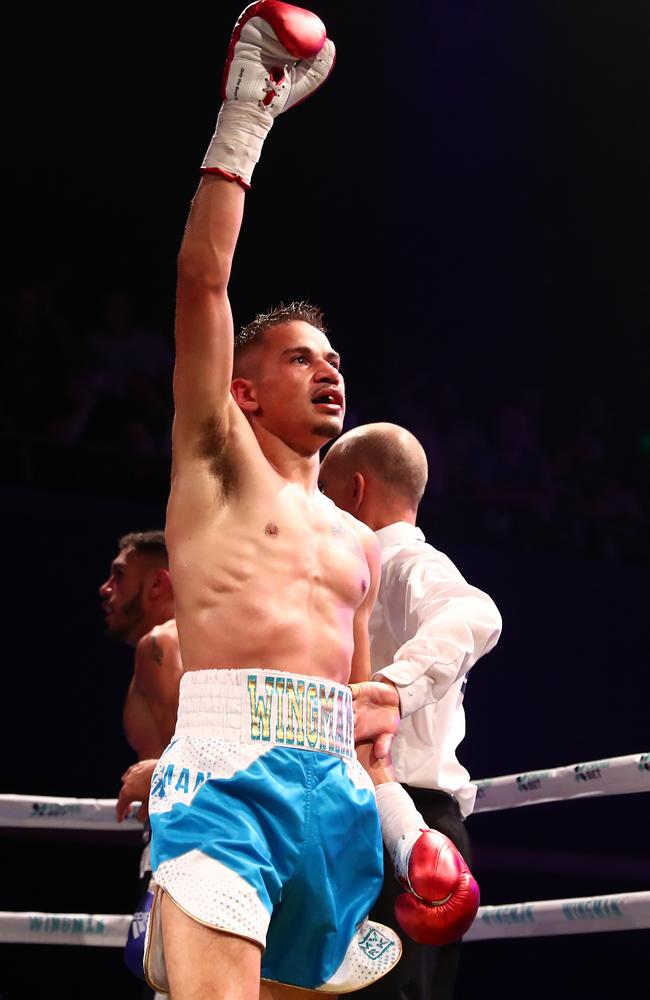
x=55 y=809
x=66 y=925
x=521 y=913
x=298 y=712
x=139 y=923
x=591 y=771
x=644 y=762
x=592 y=909
x=374 y=944
x=531 y=782
x=482 y=787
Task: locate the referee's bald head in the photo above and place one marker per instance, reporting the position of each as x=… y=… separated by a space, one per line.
x=384 y=453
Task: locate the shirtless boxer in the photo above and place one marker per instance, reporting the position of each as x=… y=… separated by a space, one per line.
x=138 y=604
x=265 y=838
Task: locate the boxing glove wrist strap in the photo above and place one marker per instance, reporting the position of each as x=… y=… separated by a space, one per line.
x=401 y=825
x=237 y=142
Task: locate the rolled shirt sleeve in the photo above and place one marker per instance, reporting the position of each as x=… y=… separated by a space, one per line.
x=451 y=625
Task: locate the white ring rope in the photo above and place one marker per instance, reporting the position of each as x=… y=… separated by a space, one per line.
x=100 y=930
x=611 y=776
x=581 y=915
x=48 y=812
x=625 y=911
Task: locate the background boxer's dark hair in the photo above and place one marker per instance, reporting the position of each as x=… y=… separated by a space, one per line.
x=149 y=542
x=252 y=334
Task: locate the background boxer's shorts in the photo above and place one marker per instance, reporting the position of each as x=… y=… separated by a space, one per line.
x=273 y=842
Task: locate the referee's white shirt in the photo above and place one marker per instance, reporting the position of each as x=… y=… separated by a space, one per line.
x=428 y=627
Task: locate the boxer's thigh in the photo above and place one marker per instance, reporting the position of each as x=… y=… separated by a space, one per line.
x=202 y=961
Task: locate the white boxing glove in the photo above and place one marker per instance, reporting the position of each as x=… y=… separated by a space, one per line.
x=278 y=56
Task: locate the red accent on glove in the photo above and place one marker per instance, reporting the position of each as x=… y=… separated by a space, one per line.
x=444 y=896
x=299 y=31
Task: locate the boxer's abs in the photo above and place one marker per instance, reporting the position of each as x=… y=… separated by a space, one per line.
x=276 y=592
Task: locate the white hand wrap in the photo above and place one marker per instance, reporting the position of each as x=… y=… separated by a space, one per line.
x=401 y=825
x=278 y=56
x=237 y=142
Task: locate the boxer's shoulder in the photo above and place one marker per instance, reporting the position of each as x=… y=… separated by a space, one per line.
x=367 y=540
x=157 y=648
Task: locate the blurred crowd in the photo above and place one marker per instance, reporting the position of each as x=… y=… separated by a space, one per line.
x=531 y=472
x=88 y=408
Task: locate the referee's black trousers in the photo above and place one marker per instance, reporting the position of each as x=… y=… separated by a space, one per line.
x=424 y=972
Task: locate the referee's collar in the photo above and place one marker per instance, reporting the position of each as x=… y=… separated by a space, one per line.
x=399 y=533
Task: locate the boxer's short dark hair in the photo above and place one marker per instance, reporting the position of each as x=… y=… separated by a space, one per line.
x=252 y=334
x=148 y=542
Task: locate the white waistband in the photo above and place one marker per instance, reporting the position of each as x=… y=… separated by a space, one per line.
x=268 y=708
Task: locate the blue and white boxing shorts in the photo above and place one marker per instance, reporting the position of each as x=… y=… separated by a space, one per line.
x=264 y=825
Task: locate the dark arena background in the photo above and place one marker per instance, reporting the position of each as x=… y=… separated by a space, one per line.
x=467 y=200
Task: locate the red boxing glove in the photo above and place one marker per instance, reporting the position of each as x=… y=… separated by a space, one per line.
x=443 y=896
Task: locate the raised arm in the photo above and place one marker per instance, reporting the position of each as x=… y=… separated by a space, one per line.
x=204 y=325
x=278 y=55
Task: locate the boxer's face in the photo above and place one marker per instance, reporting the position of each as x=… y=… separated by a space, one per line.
x=298 y=387
x=122 y=595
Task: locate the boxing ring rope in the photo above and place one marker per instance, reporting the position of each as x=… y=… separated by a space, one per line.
x=579 y=915
x=610 y=776
x=623 y=911
x=101 y=930
x=47 y=812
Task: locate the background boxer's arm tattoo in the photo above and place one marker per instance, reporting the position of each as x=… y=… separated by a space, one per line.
x=156 y=650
